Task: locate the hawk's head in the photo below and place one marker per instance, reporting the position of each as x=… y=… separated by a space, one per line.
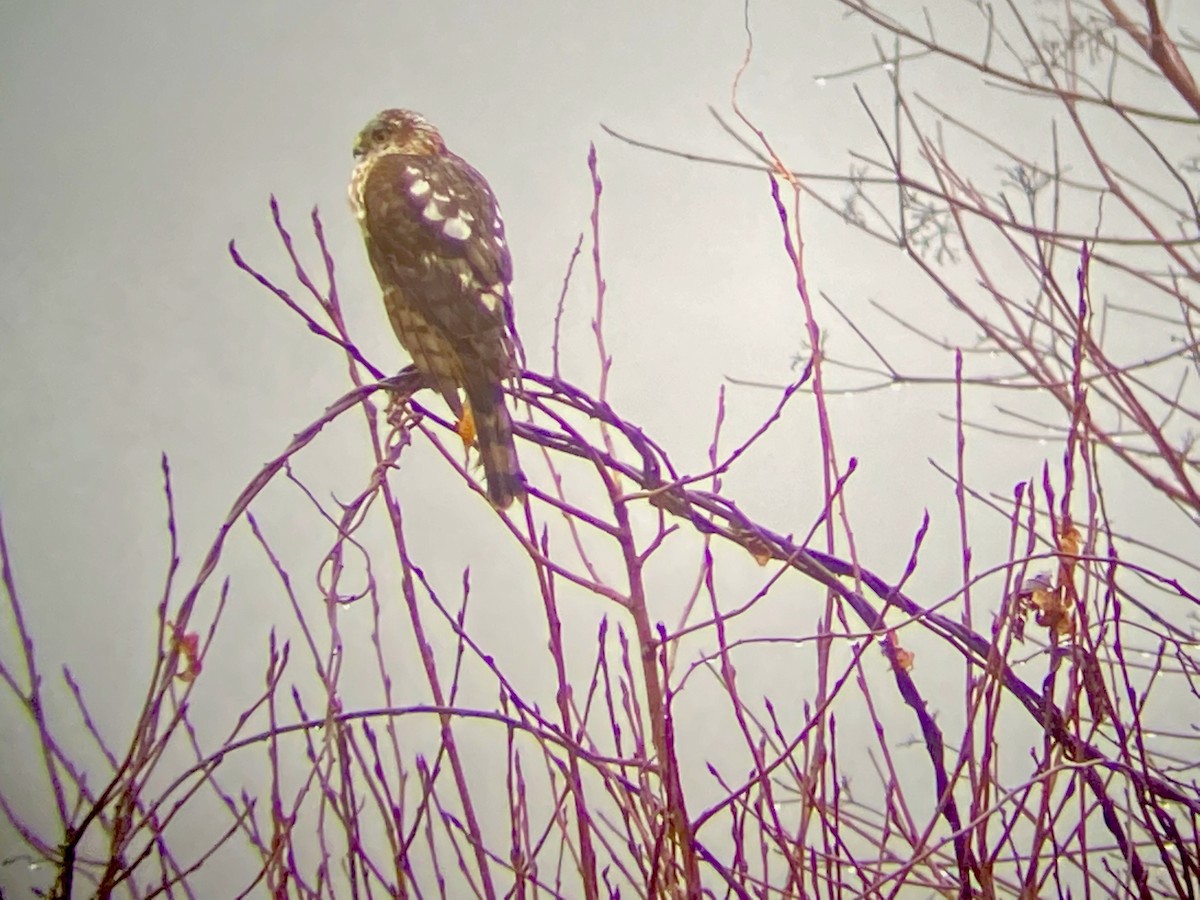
x=398 y=131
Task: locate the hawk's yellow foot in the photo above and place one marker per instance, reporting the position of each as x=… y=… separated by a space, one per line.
x=466 y=427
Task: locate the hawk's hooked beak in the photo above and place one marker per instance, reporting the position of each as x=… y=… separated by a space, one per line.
x=361 y=142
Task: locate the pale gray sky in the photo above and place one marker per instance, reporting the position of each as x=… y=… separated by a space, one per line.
x=140 y=138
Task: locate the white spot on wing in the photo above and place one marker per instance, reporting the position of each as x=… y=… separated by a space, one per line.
x=419 y=188
x=456 y=228
x=441 y=197
x=431 y=213
x=491 y=301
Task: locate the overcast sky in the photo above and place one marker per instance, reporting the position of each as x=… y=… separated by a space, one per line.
x=139 y=139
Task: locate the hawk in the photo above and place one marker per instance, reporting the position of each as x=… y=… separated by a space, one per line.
x=436 y=242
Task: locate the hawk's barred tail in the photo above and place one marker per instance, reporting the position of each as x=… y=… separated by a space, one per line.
x=497 y=449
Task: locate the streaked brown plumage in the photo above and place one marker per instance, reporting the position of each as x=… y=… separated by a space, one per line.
x=436 y=241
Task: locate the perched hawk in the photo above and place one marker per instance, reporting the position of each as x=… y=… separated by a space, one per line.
x=436 y=241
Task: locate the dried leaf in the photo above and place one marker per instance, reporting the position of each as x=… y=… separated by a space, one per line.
x=1053 y=610
x=1040 y=582
x=1018 y=626
x=1093 y=685
x=1069 y=542
x=187 y=645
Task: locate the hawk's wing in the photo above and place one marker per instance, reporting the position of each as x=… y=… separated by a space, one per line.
x=436 y=241
x=434 y=236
